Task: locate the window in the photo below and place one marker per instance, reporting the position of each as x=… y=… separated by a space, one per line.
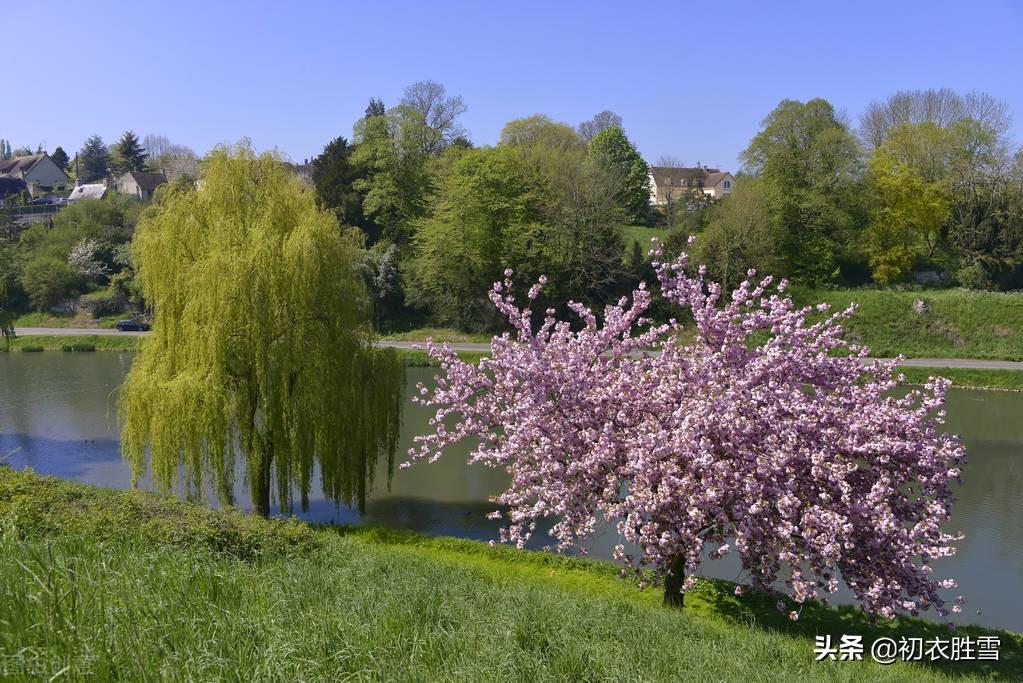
x=728 y=184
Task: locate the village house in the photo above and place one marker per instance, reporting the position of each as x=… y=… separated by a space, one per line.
x=669 y=183
x=88 y=191
x=140 y=185
x=36 y=171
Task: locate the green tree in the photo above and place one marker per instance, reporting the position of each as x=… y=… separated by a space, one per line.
x=618 y=157
x=49 y=280
x=394 y=167
x=486 y=216
x=812 y=167
x=128 y=153
x=262 y=341
x=334 y=177
x=93 y=160
x=738 y=235
x=61 y=157
x=375 y=107
x=908 y=217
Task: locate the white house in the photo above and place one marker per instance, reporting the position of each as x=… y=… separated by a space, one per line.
x=140 y=185
x=90 y=191
x=668 y=183
x=36 y=170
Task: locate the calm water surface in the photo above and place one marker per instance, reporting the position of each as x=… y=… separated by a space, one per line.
x=57 y=413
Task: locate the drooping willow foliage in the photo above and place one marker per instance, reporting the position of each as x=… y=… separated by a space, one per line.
x=261 y=343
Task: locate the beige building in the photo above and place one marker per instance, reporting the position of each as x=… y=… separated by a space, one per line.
x=669 y=183
x=140 y=185
x=36 y=170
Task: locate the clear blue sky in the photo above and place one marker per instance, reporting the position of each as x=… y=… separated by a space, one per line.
x=691 y=79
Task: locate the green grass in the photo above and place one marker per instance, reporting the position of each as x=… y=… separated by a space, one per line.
x=101 y=585
x=967 y=378
x=94 y=342
x=67 y=320
x=439 y=334
x=641 y=234
x=959 y=324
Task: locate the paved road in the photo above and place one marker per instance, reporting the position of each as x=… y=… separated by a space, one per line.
x=964 y=363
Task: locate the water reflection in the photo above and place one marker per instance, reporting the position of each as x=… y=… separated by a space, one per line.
x=57 y=410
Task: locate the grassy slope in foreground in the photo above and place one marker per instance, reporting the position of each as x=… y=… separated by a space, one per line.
x=129 y=584
x=957 y=324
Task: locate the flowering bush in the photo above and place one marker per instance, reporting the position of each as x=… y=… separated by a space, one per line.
x=766 y=431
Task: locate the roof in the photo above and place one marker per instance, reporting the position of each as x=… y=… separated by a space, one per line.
x=713 y=179
x=148 y=181
x=669 y=176
x=93 y=191
x=11 y=186
x=19 y=166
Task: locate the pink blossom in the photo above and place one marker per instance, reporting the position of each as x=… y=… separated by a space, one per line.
x=765 y=433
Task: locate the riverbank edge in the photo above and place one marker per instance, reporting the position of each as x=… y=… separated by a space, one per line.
x=34 y=506
x=963 y=378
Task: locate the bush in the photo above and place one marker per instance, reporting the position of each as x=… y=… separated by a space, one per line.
x=31 y=349
x=110 y=301
x=973 y=276
x=34 y=506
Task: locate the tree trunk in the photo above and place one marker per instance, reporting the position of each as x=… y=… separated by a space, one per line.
x=261 y=500
x=673 y=595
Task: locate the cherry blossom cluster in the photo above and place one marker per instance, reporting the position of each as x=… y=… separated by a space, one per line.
x=754 y=427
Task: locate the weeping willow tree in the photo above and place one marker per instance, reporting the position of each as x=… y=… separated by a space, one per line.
x=261 y=343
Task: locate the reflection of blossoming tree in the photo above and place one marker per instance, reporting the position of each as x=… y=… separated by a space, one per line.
x=754 y=433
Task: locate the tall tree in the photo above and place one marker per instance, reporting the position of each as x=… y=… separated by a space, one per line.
x=93 y=160
x=812 y=166
x=61 y=158
x=334 y=176
x=617 y=155
x=129 y=154
x=284 y=369
x=602 y=121
x=375 y=107
x=907 y=219
x=941 y=107
x=394 y=165
x=438 y=112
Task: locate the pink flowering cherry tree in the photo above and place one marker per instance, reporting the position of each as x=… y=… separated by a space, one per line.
x=759 y=431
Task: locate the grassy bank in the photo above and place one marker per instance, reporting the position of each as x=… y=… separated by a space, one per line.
x=104 y=584
x=83 y=342
x=967 y=378
x=438 y=334
x=956 y=324
x=80 y=320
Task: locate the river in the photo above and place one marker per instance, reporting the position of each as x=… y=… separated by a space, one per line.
x=57 y=415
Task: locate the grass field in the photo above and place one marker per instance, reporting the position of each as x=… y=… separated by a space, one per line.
x=98 y=584
x=957 y=324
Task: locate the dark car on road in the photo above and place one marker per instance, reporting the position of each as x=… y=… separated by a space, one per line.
x=132 y=326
